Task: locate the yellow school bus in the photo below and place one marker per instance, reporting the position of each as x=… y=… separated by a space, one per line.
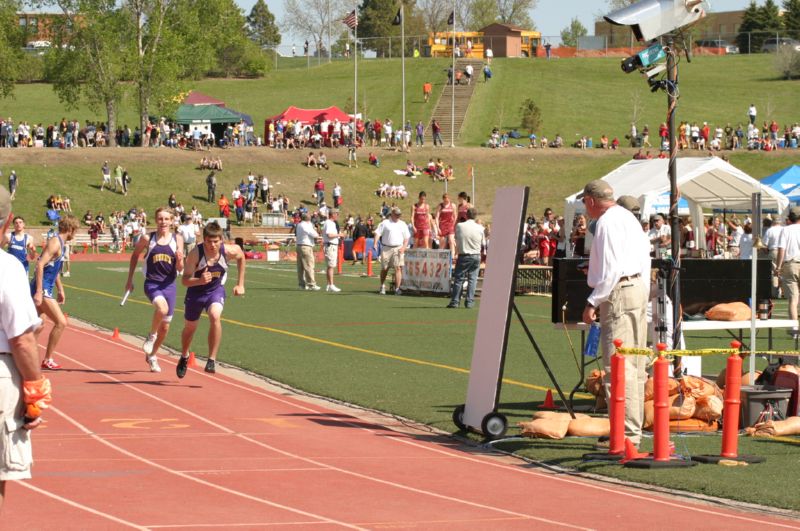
x=531 y=42
x=441 y=43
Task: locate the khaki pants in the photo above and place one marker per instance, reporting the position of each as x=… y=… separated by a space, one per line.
x=305 y=266
x=624 y=316
x=790 y=275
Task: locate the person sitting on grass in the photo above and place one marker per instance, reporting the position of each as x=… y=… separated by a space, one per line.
x=603 y=141
x=322 y=161
x=311 y=161
x=411 y=169
x=615 y=143
x=373 y=160
x=448 y=173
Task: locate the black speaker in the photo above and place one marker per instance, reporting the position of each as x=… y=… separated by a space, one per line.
x=704 y=283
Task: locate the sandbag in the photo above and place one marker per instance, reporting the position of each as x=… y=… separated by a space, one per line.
x=776 y=428
x=681 y=407
x=594 y=382
x=789 y=368
x=546 y=428
x=745 y=377
x=729 y=311
x=673 y=388
x=554 y=414
x=691 y=425
x=589 y=427
x=708 y=408
x=697 y=387
x=649 y=415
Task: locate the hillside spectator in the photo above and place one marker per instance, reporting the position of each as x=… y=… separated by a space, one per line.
x=311 y=161
x=436 y=130
x=13 y=181
x=319 y=190
x=322 y=161
x=373 y=160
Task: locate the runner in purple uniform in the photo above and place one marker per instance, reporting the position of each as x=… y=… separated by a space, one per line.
x=204 y=277
x=163 y=258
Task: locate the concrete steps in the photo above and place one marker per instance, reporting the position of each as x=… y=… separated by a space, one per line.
x=453 y=104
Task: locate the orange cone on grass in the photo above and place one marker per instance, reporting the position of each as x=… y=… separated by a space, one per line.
x=548 y=401
x=631 y=452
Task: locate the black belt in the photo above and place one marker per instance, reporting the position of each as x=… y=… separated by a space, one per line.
x=389 y=246
x=331 y=243
x=629 y=277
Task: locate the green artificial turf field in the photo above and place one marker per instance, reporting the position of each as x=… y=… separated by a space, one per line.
x=410 y=356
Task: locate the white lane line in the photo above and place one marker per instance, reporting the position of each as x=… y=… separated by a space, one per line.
x=314 y=462
x=80 y=506
x=192 y=478
x=486 y=460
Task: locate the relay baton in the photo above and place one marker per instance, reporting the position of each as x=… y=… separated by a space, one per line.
x=125 y=297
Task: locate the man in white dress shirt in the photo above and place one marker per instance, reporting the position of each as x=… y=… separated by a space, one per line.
x=619 y=273
x=393 y=235
x=306 y=237
x=787 y=264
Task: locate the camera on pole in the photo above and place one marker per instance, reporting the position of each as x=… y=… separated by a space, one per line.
x=649 y=19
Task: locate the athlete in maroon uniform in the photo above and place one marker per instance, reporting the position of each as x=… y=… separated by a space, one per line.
x=463 y=205
x=446 y=220
x=421 y=222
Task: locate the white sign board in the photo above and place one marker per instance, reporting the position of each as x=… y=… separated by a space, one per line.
x=427 y=270
x=497 y=296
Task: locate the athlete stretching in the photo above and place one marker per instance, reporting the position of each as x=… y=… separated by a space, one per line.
x=204 y=276
x=162 y=261
x=45 y=279
x=20 y=244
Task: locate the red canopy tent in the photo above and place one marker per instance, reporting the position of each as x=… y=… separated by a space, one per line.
x=198 y=98
x=311 y=115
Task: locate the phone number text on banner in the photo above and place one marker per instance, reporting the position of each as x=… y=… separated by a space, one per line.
x=427 y=270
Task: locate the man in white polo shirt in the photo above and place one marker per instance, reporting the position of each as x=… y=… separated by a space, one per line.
x=331 y=237
x=306 y=237
x=470 y=239
x=771 y=237
x=21 y=380
x=787 y=264
x=393 y=235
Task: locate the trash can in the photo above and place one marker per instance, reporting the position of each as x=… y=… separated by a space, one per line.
x=426 y=50
x=757 y=398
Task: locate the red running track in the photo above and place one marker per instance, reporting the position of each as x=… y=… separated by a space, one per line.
x=124 y=448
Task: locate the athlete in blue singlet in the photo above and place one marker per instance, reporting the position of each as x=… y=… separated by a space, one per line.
x=163 y=260
x=204 y=276
x=47 y=281
x=19 y=244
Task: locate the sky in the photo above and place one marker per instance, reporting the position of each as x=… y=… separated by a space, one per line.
x=550 y=16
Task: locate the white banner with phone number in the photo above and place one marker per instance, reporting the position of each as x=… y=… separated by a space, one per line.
x=427 y=270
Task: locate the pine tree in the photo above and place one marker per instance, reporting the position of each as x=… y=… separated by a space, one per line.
x=791 y=17
x=261 y=25
x=770 y=16
x=751 y=21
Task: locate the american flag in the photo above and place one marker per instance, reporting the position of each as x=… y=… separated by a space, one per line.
x=351 y=20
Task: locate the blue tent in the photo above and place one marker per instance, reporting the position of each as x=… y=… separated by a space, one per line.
x=785 y=181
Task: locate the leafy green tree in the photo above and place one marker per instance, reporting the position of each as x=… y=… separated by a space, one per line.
x=481 y=14
x=12 y=39
x=575 y=30
x=89 y=60
x=791 y=17
x=376 y=22
x=261 y=25
x=530 y=116
x=751 y=22
x=516 y=12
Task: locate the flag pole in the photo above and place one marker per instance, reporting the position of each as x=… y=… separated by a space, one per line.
x=355 y=72
x=403 y=68
x=453 y=87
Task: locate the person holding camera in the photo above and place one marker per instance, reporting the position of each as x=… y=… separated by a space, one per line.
x=619 y=273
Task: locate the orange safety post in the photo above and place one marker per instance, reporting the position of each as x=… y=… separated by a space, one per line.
x=339 y=259
x=733 y=404
x=616 y=410
x=730 y=415
x=661 y=450
x=369 y=263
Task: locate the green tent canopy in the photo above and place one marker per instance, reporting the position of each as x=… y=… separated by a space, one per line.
x=195 y=114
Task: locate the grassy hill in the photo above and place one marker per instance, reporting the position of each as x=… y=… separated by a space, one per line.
x=577 y=96
x=586 y=96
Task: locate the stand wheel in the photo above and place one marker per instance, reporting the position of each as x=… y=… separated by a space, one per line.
x=494 y=425
x=458 y=418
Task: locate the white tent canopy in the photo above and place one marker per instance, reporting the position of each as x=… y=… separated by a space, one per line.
x=705 y=183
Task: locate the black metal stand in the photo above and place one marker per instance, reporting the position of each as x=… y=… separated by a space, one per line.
x=566 y=402
x=715 y=459
x=582 y=377
x=650 y=463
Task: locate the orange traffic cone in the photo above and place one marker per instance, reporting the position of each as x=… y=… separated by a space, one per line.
x=115 y=335
x=631 y=452
x=548 y=401
x=369 y=264
x=192 y=362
